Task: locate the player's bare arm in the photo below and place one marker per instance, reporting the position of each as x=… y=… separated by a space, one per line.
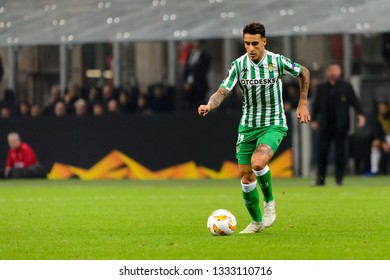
x=302 y=113
x=214 y=102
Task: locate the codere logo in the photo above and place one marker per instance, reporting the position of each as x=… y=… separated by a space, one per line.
x=254 y=82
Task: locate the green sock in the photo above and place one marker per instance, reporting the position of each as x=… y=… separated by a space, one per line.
x=251 y=200
x=266 y=186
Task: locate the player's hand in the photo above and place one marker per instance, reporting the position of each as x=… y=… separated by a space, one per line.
x=203 y=110
x=314 y=125
x=303 y=114
x=386 y=147
x=361 y=120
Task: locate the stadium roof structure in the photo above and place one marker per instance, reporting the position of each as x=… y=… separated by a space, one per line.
x=45 y=22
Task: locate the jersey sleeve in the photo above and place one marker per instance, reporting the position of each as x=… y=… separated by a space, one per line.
x=289 y=67
x=231 y=78
x=9 y=163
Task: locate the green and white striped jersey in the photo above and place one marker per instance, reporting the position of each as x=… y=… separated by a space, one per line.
x=261 y=85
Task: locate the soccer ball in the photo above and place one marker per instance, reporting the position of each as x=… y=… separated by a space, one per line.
x=221 y=222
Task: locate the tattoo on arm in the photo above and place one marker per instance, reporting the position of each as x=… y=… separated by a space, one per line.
x=305 y=81
x=218 y=97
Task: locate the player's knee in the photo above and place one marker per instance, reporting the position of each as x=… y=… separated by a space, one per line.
x=261 y=156
x=258 y=162
x=247 y=176
x=245 y=173
x=258 y=165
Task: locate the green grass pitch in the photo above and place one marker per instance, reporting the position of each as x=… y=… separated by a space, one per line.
x=152 y=220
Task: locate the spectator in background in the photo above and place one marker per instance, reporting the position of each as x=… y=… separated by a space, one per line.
x=330 y=116
x=124 y=102
x=81 y=108
x=195 y=75
x=133 y=94
x=98 y=109
x=36 y=110
x=6 y=112
x=24 y=109
x=107 y=94
x=60 y=109
x=71 y=95
x=94 y=96
x=21 y=160
x=142 y=104
x=113 y=107
x=381 y=135
x=157 y=100
x=55 y=96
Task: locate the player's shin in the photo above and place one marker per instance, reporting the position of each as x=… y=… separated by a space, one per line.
x=264 y=179
x=250 y=194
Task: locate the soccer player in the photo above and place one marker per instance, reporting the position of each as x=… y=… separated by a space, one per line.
x=263 y=122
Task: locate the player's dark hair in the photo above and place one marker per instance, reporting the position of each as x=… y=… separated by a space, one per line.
x=384 y=102
x=254 y=28
x=335 y=63
x=387 y=104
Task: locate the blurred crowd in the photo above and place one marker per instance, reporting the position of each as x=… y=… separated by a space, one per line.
x=106 y=100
